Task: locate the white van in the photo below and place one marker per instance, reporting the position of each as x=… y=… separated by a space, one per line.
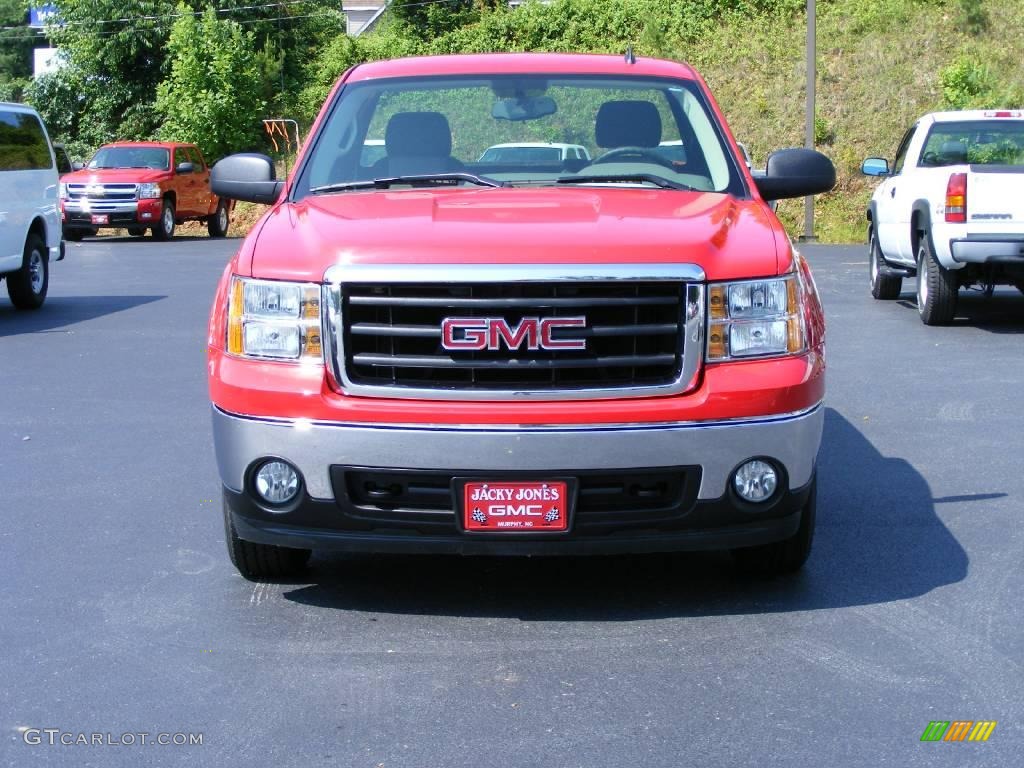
x=30 y=235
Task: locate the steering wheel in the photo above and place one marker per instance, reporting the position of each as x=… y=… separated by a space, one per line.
x=647 y=154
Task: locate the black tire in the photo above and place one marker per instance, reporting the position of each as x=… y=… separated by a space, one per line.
x=27 y=287
x=936 y=286
x=136 y=231
x=164 y=229
x=217 y=225
x=883 y=287
x=261 y=562
x=788 y=555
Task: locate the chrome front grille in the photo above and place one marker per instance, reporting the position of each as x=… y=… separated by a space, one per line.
x=103 y=193
x=642 y=330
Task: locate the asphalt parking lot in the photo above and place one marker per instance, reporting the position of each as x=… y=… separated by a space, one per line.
x=121 y=613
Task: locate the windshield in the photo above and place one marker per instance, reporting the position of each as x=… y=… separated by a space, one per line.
x=131 y=157
x=977 y=142
x=521 y=131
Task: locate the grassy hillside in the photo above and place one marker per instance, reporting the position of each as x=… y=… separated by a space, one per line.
x=881 y=63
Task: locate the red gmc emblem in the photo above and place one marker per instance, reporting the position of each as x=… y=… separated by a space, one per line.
x=491 y=332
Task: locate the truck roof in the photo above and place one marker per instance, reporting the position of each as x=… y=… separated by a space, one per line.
x=521 y=63
x=974 y=114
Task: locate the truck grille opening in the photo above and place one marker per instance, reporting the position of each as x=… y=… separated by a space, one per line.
x=112 y=193
x=606 y=499
x=391 y=335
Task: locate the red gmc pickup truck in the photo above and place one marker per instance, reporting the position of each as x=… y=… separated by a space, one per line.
x=427 y=352
x=140 y=186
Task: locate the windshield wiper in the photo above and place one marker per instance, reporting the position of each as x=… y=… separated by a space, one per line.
x=425 y=180
x=611 y=178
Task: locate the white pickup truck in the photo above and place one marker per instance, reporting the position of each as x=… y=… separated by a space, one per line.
x=949 y=210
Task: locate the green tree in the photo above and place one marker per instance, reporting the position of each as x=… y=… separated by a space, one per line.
x=214 y=94
x=16 y=44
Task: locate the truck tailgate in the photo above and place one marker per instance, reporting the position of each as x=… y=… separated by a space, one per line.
x=995 y=194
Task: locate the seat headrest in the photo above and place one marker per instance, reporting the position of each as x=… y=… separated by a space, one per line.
x=418 y=134
x=627 y=124
x=953 y=152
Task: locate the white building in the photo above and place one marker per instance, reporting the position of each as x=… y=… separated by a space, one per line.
x=362 y=15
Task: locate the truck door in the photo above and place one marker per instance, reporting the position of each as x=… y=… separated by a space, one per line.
x=892 y=213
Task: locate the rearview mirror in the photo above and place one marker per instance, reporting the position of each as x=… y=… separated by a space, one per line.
x=795 y=172
x=246 y=176
x=523 y=108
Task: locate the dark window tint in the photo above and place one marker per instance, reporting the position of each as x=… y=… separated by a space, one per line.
x=901 y=150
x=196 y=158
x=23 y=145
x=180 y=156
x=63 y=161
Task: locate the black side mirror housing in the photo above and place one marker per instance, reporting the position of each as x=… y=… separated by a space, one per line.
x=246 y=176
x=184 y=168
x=796 y=172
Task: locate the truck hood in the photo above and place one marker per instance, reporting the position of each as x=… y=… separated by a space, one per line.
x=115 y=176
x=728 y=238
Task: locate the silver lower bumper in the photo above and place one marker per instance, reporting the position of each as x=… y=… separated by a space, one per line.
x=988 y=249
x=717 y=447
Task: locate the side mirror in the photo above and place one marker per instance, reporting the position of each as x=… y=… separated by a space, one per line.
x=247 y=176
x=875 y=166
x=795 y=173
x=184 y=168
x=77 y=166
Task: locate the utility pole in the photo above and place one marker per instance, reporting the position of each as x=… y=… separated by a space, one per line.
x=809 y=118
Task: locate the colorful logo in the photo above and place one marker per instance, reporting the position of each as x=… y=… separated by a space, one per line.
x=958 y=730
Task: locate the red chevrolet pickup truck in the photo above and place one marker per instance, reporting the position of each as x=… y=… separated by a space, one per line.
x=423 y=351
x=140 y=186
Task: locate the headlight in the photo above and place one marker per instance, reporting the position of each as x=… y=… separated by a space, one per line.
x=149 y=191
x=274 y=320
x=62 y=191
x=755 y=318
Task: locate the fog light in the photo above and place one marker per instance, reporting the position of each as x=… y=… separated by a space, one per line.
x=756 y=480
x=277 y=482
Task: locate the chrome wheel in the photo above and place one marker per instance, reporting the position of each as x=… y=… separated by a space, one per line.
x=222 y=218
x=922 y=278
x=36 y=272
x=167 y=219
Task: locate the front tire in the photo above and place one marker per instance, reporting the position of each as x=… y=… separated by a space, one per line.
x=217 y=225
x=136 y=231
x=936 y=286
x=27 y=287
x=164 y=230
x=261 y=562
x=788 y=555
x=883 y=287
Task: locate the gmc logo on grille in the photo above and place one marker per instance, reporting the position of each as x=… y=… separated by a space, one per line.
x=492 y=332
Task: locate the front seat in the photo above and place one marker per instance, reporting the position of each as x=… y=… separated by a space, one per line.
x=953 y=153
x=417 y=143
x=627 y=124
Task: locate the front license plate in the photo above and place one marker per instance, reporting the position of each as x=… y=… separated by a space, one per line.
x=541 y=507
x=100 y=218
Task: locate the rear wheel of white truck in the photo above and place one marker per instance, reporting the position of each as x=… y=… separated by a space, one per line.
x=788 y=555
x=260 y=562
x=883 y=287
x=936 y=286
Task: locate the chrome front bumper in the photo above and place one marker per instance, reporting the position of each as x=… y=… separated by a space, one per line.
x=717 y=447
